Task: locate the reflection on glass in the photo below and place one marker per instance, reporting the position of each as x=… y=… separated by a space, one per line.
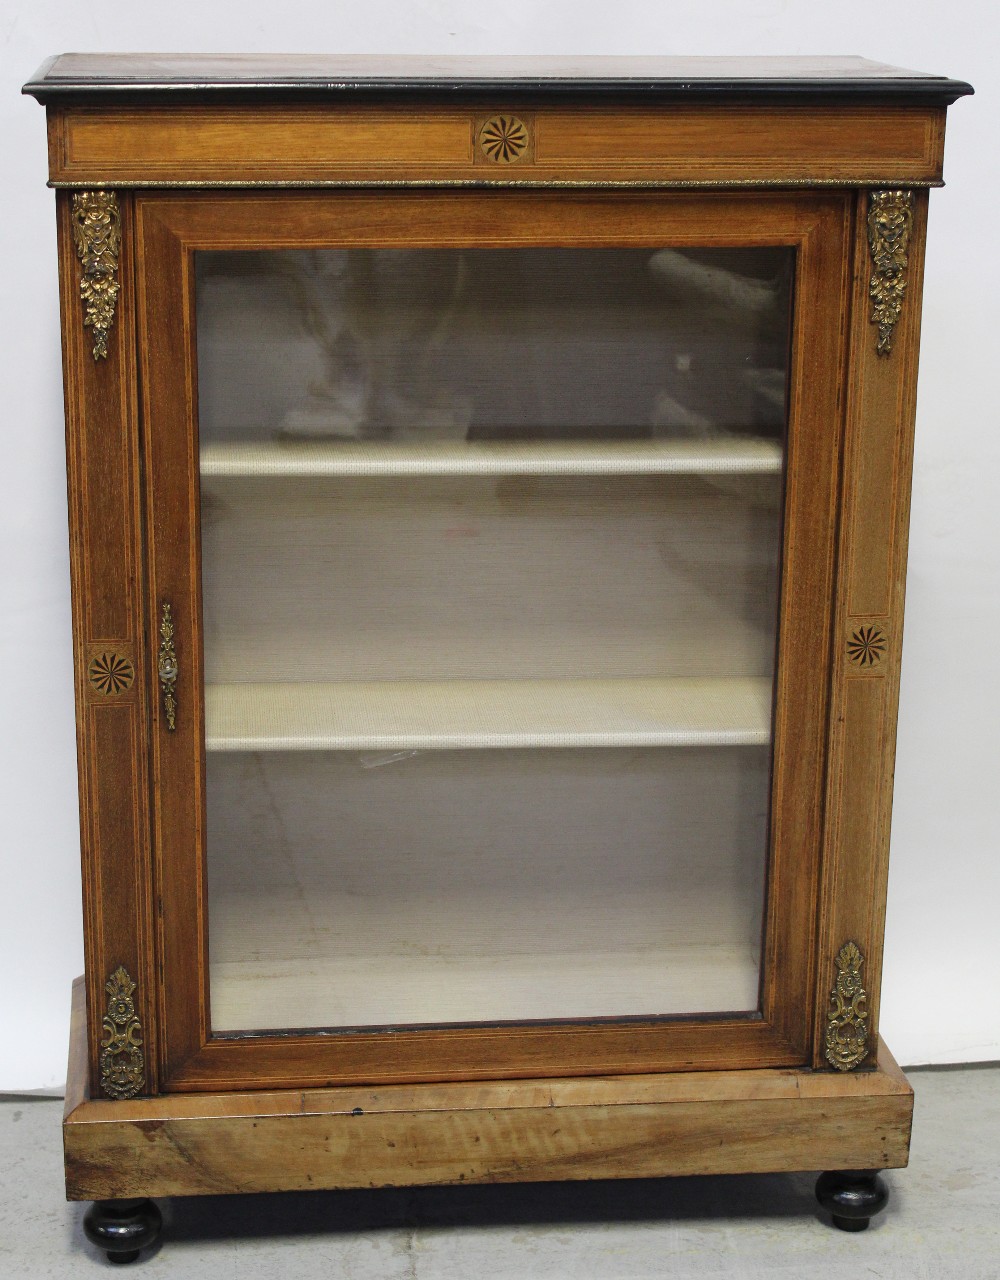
x=413 y=345
x=491 y=546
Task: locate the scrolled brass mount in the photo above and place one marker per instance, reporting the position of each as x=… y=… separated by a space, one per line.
x=167 y=667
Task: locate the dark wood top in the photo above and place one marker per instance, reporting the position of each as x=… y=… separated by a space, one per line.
x=132 y=77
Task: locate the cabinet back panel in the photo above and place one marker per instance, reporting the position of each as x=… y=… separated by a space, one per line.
x=490 y=578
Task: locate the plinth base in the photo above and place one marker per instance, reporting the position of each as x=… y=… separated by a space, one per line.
x=638 y=1126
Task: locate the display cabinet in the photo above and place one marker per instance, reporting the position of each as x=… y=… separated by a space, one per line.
x=488 y=503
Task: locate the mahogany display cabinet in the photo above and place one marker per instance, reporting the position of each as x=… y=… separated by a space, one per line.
x=488 y=507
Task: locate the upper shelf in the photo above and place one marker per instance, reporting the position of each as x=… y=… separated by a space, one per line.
x=735 y=456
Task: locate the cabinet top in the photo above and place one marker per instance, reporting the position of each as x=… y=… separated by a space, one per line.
x=100 y=77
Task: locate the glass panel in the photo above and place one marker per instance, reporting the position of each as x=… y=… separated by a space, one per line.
x=486 y=344
x=491 y=546
x=352 y=888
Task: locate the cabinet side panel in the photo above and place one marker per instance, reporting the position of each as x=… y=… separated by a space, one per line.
x=109 y=645
x=869 y=623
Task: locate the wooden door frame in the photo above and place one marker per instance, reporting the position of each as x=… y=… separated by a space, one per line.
x=169 y=228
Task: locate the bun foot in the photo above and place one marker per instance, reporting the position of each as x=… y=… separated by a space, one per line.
x=852 y=1196
x=122 y=1227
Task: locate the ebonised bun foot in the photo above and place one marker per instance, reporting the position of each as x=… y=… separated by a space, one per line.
x=853 y=1196
x=122 y=1227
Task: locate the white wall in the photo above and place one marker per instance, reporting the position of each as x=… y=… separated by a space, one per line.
x=942 y=976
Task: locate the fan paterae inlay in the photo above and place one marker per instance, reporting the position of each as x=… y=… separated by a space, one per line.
x=503 y=139
x=110 y=673
x=867 y=646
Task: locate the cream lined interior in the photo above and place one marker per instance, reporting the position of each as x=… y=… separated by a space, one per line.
x=490 y=547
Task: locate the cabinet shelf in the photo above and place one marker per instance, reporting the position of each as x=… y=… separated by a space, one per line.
x=735 y=455
x=422 y=715
x=418 y=986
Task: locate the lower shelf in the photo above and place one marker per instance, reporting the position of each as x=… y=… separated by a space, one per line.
x=418 y=988
x=638 y=1126
x=417 y=715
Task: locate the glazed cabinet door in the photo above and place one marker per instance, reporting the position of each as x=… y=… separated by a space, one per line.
x=491 y=543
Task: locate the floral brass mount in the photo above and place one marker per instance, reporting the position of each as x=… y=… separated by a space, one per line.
x=166 y=667
x=97 y=236
x=123 y=1068
x=890 y=221
x=847 y=1024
